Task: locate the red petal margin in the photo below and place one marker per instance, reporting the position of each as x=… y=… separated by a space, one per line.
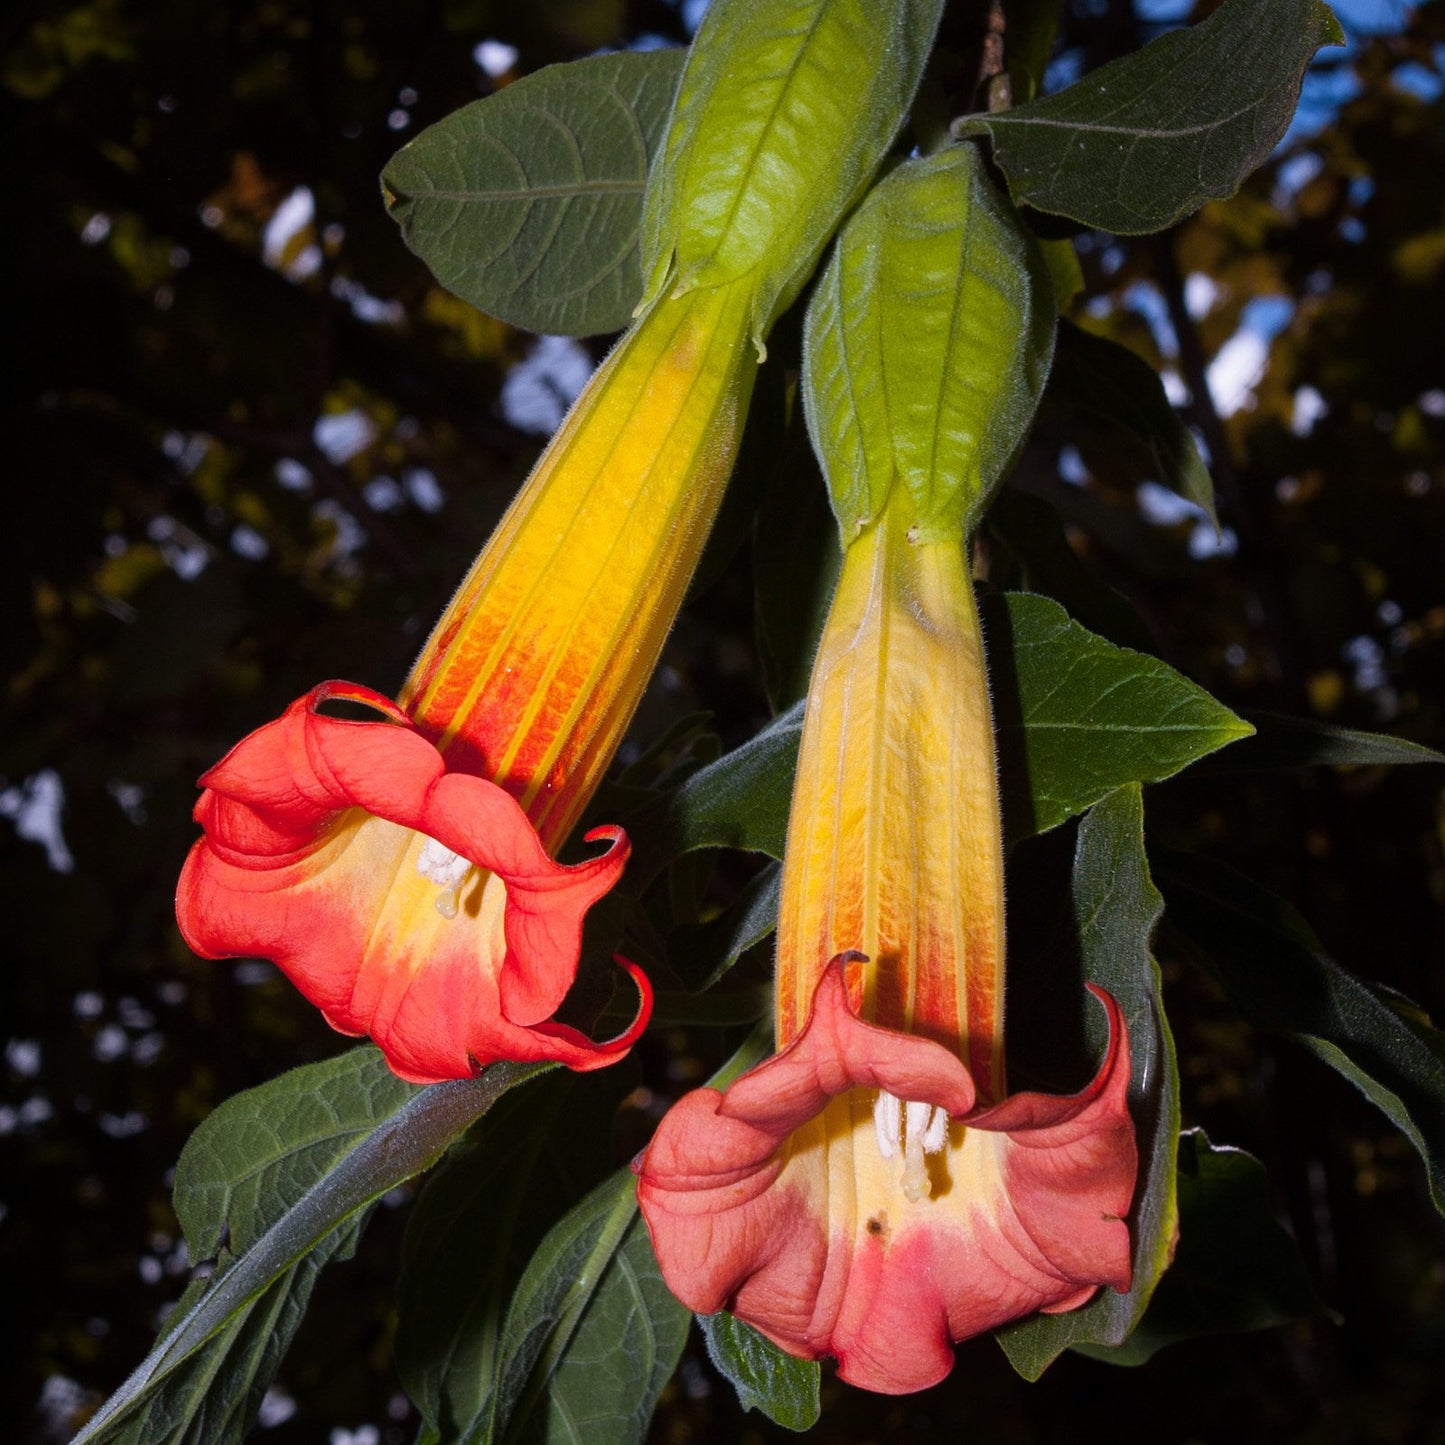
x=280 y=874
x=738 y=1211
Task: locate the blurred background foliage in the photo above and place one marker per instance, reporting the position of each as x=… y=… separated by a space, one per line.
x=256 y=445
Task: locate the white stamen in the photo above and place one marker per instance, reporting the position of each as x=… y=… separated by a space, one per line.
x=915 y=1119
x=438 y=863
x=887 y=1120
x=936 y=1135
x=441 y=865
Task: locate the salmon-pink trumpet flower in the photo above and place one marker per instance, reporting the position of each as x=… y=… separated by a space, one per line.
x=871 y=1192
x=401 y=871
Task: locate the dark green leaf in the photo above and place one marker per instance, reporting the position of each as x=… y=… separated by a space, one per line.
x=926 y=346
x=1078 y=717
x=624 y=1351
x=766 y=1378
x=1033 y=535
x=1116 y=907
x=1032 y=25
x=1298 y=742
x=1110 y=380
x=718 y=1008
x=527 y=203
x=1145 y=140
x=273 y=1176
x=592 y=1334
x=213 y=1396
x=740 y=801
x=271 y=1145
x=1235 y=1269
x=1270 y=964
x=706 y=951
x=480 y=1217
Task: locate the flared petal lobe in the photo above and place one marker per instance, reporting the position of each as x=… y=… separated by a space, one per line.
x=774 y=1200
x=407 y=901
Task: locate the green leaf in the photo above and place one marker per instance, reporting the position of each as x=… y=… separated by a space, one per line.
x=213 y=1397
x=706 y=951
x=926 y=347
x=1271 y=966
x=783 y=113
x=717 y=1009
x=1110 y=380
x=625 y=1349
x=270 y=1186
x=1236 y=1268
x=480 y=1217
x=527 y=204
x=740 y=801
x=766 y=1378
x=1116 y=907
x=592 y=1334
x=1078 y=716
x=1298 y=742
x=1066 y=276
x=1143 y=141
x=1032 y=26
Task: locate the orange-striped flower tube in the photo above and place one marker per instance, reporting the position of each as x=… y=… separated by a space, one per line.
x=870 y=1192
x=401 y=871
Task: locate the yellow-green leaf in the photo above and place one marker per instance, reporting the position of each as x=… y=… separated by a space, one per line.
x=785 y=110
x=927 y=344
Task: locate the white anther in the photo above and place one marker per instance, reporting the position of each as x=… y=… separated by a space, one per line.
x=915 y=1120
x=438 y=863
x=935 y=1136
x=888 y=1121
x=441 y=865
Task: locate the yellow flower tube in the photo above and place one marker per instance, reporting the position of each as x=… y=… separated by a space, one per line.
x=894 y=841
x=560 y=621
